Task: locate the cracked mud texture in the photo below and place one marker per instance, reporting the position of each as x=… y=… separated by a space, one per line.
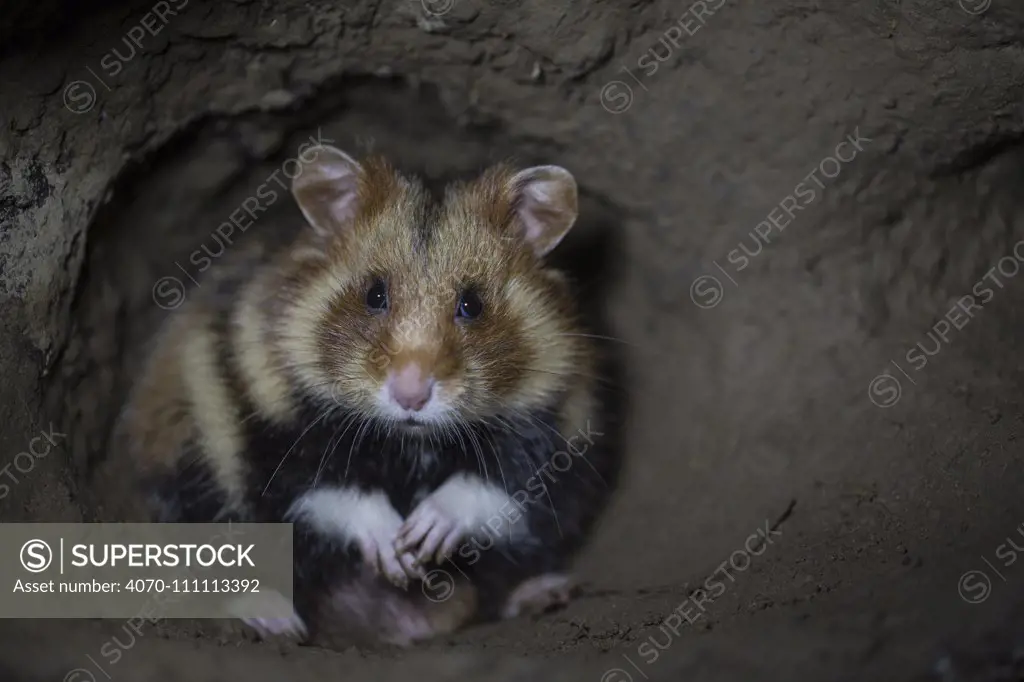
x=736 y=410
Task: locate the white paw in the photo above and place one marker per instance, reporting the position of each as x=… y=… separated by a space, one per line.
x=381 y=555
x=430 y=532
x=539 y=594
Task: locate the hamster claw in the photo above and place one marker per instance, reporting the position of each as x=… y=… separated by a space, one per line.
x=448 y=546
x=412 y=565
x=393 y=568
x=383 y=558
x=432 y=532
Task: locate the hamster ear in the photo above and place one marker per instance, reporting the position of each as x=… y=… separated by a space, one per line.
x=327 y=188
x=545 y=200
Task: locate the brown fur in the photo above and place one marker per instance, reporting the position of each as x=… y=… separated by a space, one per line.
x=158 y=421
x=517 y=354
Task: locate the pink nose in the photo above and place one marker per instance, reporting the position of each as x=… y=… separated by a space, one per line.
x=409 y=388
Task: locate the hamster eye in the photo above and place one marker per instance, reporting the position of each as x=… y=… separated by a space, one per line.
x=377 y=295
x=470 y=306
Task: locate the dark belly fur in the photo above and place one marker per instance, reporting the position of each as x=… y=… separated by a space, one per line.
x=562 y=503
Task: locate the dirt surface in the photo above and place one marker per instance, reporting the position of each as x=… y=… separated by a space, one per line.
x=753 y=398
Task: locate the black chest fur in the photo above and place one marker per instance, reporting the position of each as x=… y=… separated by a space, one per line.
x=344 y=449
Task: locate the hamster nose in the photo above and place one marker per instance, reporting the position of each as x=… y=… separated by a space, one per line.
x=409 y=388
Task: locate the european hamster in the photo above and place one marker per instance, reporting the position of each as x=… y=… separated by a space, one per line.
x=406 y=381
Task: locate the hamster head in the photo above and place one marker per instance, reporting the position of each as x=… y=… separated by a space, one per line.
x=425 y=314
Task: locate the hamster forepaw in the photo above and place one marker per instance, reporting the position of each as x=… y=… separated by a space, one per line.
x=382 y=556
x=429 y=533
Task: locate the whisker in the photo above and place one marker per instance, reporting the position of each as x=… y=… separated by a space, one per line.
x=351 y=448
x=599 y=337
x=585 y=375
x=326 y=458
x=581 y=455
x=281 y=463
